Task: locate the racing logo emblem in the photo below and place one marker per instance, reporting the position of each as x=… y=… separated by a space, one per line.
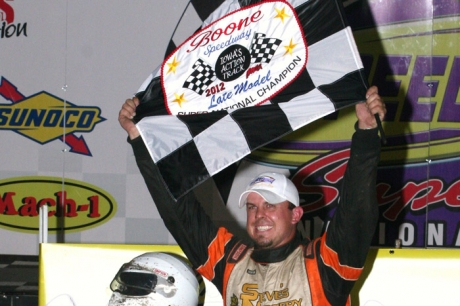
x=43 y=117
x=240 y=60
x=81 y=204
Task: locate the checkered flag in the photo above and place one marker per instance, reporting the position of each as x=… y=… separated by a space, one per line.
x=190 y=149
x=201 y=77
x=263 y=49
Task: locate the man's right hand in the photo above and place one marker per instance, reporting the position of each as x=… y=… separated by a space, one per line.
x=126 y=115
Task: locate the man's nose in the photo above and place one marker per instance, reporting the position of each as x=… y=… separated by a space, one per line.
x=260 y=212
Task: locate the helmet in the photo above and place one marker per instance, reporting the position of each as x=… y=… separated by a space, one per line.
x=155 y=279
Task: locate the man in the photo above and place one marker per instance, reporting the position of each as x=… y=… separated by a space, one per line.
x=280 y=267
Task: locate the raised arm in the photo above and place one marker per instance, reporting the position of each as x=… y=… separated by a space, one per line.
x=185 y=219
x=352 y=228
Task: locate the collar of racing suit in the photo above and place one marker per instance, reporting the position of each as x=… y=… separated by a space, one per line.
x=276 y=254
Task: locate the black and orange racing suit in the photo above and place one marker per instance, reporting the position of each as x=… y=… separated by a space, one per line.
x=320 y=272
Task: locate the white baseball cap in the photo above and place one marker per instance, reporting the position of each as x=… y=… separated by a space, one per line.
x=273 y=187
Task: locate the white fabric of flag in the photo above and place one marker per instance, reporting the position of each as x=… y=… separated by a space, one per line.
x=253 y=72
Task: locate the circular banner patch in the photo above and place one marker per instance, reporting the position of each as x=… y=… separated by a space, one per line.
x=240 y=60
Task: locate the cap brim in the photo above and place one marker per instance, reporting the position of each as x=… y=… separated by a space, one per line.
x=268 y=196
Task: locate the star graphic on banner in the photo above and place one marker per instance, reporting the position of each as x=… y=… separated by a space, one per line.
x=179 y=99
x=173 y=65
x=281 y=14
x=289 y=48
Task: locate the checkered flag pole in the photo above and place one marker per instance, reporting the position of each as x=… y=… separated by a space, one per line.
x=263 y=49
x=201 y=77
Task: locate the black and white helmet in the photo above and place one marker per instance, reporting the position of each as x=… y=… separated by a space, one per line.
x=155 y=278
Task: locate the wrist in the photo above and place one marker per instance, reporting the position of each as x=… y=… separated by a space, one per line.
x=133 y=133
x=361 y=126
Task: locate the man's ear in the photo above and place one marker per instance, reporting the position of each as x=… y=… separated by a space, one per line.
x=297 y=213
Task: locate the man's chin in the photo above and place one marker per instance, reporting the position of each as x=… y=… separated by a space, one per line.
x=263 y=244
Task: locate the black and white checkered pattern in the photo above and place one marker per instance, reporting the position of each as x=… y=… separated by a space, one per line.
x=263 y=48
x=190 y=149
x=201 y=77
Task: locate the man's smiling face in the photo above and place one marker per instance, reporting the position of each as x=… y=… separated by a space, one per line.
x=270 y=225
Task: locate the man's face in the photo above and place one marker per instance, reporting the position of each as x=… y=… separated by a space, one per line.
x=270 y=225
